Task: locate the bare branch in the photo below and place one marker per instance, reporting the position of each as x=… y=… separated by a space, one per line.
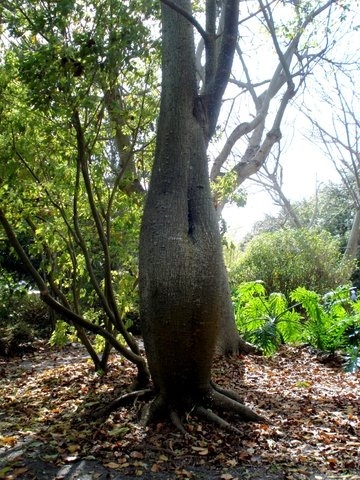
x=285 y=65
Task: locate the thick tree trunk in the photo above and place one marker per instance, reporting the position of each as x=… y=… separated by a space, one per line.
x=180 y=249
x=181 y=265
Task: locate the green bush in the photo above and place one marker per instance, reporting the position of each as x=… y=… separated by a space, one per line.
x=265 y=321
x=328 y=323
x=287 y=259
x=23 y=316
x=13 y=338
x=332 y=322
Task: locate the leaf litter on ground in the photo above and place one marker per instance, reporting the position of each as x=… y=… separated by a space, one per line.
x=47 y=399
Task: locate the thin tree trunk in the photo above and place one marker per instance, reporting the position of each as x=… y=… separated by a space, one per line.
x=352 y=246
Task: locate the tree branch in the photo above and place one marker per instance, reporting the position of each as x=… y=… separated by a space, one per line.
x=188 y=17
x=58 y=307
x=215 y=86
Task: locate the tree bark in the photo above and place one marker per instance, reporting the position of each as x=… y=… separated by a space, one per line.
x=352 y=246
x=181 y=264
x=180 y=261
x=180 y=248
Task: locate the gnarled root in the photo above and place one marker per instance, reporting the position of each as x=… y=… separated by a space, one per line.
x=154 y=410
x=121 y=401
x=210 y=416
x=227 y=393
x=225 y=402
x=160 y=408
x=217 y=399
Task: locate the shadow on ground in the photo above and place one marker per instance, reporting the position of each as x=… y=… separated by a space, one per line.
x=46 y=432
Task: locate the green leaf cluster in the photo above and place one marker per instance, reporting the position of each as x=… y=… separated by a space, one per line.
x=287 y=259
x=266 y=321
x=327 y=322
x=78 y=99
x=225 y=187
x=332 y=319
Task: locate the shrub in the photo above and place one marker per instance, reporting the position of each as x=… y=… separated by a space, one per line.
x=287 y=259
x=23 y=316
x=14 y=338
x=328 y=323
x=266 y=321
x=332 y=322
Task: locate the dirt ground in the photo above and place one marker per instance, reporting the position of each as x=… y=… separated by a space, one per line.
x=47 y=432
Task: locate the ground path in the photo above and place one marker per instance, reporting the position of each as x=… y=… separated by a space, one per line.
x=46 y=431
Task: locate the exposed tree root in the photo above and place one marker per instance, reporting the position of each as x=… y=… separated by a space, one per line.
x=227 y=393
x=247 y=348
x=176 y=420
x=210 y=416
x=217 y=399
x=153 y=410
x=224 y=402
x=121 y=401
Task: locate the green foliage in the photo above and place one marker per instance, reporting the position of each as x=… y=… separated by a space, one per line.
x=328 y=323
x=319 y=320
x=18 y=305
x=62 y=335
x=79 y=98
x=266 y=321
x=14 y=337
x=22 y=316
x=225 y=187
x=332 y=321
x=331 y=209
x=286 y=259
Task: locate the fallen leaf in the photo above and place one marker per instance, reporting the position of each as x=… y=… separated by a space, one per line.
x=20 y=471
x=200 y=450
x=226 y=476
x=8 y=441
x=73 y=448
x=136 y=454
x=4 y=471
x=118 y=431
x=112 y=465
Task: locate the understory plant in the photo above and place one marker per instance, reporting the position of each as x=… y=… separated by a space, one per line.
x=328 y=323
x=265 y=320
x=286 y=259
x=332 y=321
x=23 y=316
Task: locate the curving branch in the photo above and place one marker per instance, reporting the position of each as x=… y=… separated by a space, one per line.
x=260 y=143
x=68 y=314
x=188 y=16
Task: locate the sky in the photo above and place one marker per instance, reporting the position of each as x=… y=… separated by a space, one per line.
x=305 y=166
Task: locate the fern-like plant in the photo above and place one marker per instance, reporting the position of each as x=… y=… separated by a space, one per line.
x=332 y=322
x=265 y=320
x=328 y=323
